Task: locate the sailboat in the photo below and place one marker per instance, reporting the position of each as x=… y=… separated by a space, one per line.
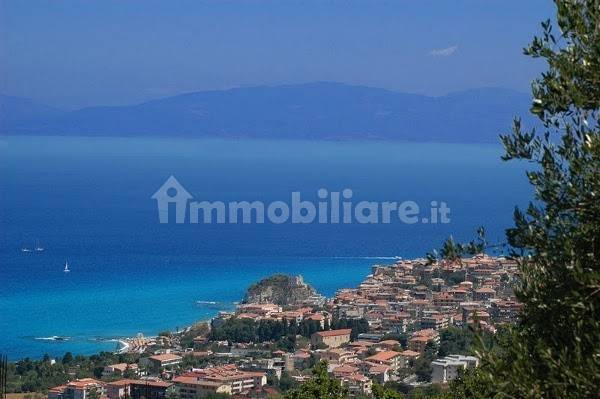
x=66 y=269
x=25 y=249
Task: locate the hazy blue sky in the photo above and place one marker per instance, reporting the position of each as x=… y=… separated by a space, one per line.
x=80 y=53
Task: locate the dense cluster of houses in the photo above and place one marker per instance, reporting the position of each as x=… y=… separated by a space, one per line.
x=394 y=298
x=411 y=298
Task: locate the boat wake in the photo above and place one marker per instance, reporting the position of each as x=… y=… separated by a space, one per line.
x=53 y=338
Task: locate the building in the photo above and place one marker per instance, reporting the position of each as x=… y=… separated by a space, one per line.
x=370 y=337
x=392 y=359
x=358 y=385
x=420 y=338
x=318 y=317
x=262 y=309
x=418 y=343
x=409 y=356
x=157 y=362
x=194 y=388
x=223 y=379
x=447 y=369
x=484 y=294
x=119 y=369
x=389 y=344
x=379 y=373
x=336 y=355
x=505 y=311
x=137 y=389
x=331 y=338
x=435 y=322
x=301 y=359
x=445 y=299
x=273 y=366
x=78 y=389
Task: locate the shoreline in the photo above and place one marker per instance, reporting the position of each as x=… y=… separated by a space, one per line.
x=124 y=347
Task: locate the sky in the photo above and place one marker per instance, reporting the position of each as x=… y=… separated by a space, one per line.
x=73 y=54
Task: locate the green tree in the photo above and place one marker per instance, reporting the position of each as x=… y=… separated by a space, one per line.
x=320 y=386
x=129 y=373
x=67 y=358
x=455 y=341
x=379 y=392
x=553 y=352
x=286 y=382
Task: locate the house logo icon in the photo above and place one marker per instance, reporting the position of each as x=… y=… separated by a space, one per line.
x=171 y=192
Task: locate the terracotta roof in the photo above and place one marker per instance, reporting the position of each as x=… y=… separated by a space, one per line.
x=84 y=382
x=426 y=332
x=120 y=383
x=383 y=356
x=345 y=369
x=165 y=357
x=118 y=366
x=334 y=333
x=409 y=353
x=151 y=383
x=389 y=342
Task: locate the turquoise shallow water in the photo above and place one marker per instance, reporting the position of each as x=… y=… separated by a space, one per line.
x=88 y=200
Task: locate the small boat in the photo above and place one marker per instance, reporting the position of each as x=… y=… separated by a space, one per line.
x=66 y=269
x=25 y=249
x=38 y=247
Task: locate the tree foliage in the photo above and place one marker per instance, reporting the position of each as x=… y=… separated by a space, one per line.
x=554 y=351
x=28 y=375
x=379 y=392
x=320 y=386
x=284 y=332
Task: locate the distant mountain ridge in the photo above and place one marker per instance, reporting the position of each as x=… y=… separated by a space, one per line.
x=322 y=110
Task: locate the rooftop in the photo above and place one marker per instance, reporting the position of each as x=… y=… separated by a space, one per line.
x=383 y=356
x=334 y=333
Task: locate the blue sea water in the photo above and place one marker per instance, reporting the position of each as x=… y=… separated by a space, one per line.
x=87 y=200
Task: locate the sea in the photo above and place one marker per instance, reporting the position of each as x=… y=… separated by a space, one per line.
x=88 y=201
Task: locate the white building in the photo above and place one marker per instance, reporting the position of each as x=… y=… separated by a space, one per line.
x=446 y=369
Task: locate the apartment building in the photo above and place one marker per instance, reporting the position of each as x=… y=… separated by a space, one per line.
x=331 y=339
x=434 y=321
x=78 y=389
x=157 y=362
x=358 y=385
x=448 y=368
x=223 y=379
x=137 y=389
x=392 y=359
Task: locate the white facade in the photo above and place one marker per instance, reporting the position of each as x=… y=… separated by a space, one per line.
x=447 y=368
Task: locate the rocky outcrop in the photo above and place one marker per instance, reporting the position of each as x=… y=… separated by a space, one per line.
x=283 y=290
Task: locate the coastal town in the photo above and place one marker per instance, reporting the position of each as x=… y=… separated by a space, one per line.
x=409 y=325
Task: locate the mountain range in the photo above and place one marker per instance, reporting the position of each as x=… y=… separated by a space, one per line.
x=321 y=110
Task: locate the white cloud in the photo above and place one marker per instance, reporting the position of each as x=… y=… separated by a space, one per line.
x=443 y=52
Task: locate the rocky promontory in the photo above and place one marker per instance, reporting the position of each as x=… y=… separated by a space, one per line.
x=283 y=290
